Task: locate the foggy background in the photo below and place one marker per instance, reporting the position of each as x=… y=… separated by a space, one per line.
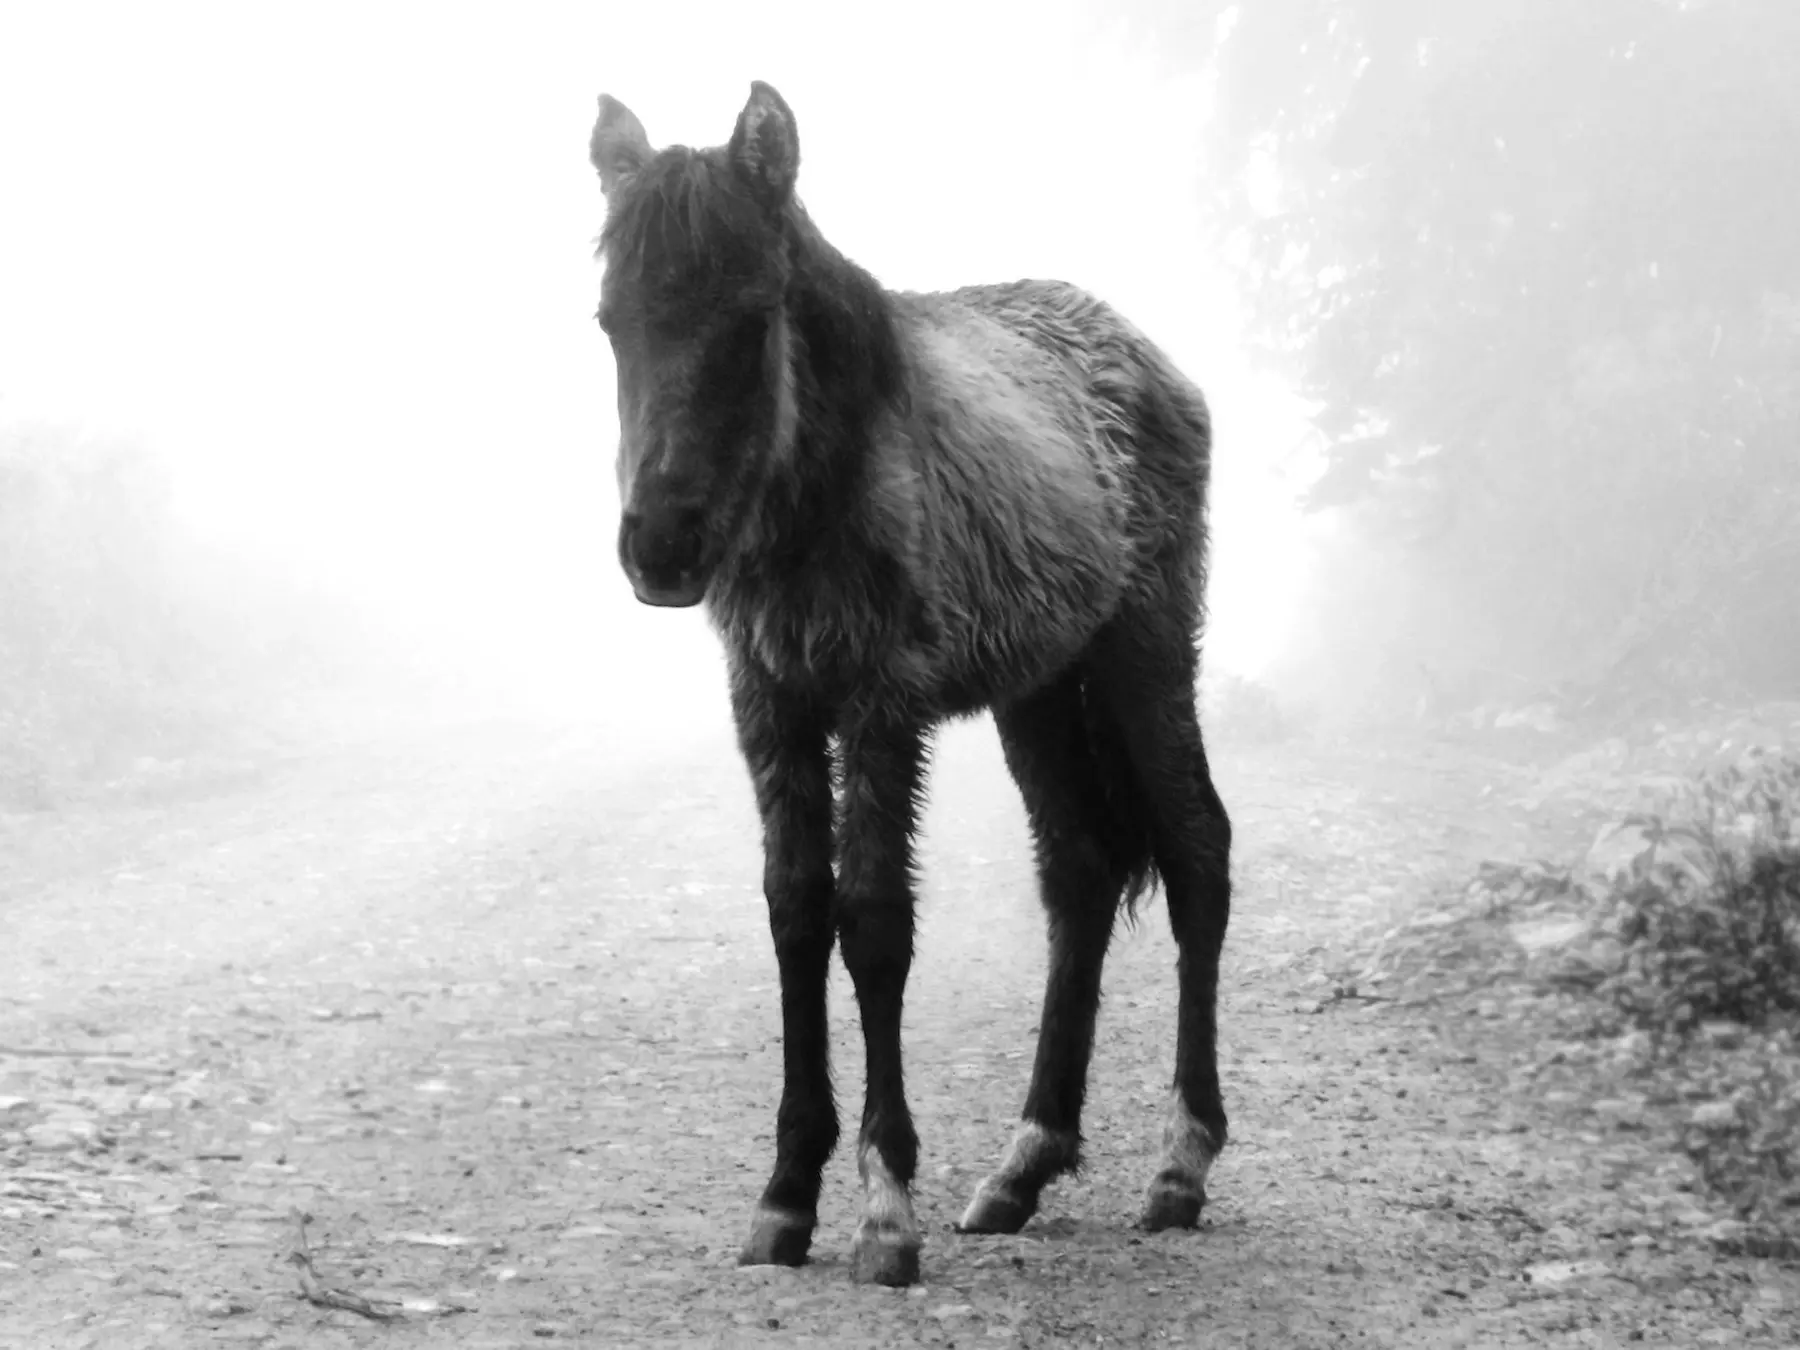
x=302 y=405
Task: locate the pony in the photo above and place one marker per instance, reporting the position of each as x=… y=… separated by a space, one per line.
x=900 y=508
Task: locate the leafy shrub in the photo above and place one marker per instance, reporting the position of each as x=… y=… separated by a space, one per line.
x=1708 y=918
x=1707 y=924
x=1749 y=1151
x=1682 y=922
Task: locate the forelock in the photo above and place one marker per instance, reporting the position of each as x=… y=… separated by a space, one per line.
x=682 y=216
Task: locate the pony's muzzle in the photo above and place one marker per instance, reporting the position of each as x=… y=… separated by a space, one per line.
x=664 y=555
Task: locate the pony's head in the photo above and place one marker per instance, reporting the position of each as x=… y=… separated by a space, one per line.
x=697 y=271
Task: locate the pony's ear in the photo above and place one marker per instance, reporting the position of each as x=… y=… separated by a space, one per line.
x=618 y=148
x=765 y=146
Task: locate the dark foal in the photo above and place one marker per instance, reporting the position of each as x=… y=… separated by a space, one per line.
x=901 y=508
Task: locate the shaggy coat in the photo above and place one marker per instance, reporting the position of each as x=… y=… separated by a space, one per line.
x=899 y=508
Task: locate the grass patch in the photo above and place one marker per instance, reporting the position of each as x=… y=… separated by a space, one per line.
x=1680 y=928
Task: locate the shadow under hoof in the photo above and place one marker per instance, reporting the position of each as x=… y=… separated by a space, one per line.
x=1172 y=1205
x=885 y=1258
x=996 y=1211
x=777 y=1240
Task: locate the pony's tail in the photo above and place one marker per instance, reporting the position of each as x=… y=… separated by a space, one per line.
x=1125 y=823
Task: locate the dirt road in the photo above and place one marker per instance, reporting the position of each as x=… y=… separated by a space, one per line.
x=495 y=1005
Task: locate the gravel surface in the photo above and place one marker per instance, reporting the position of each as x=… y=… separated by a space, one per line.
x=494 y=1006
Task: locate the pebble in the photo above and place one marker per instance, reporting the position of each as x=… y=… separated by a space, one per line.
x=1554 y=1274
x=77 y=1254
x=215 y=1306
x=1563 y=1238
x=1715 y=1115
x=60 y=1132
x=250 y=1330
x=1724 y=1035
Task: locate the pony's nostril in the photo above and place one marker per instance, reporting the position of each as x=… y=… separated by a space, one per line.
x=683 y=543
x=665 y=545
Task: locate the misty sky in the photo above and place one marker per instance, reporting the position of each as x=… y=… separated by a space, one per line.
x=335 y=261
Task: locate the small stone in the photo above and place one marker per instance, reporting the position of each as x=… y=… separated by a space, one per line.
x=1723 y=1035
x=1715 y=1115
x=1563 y=1238
x=252 y=1330
x=945 y=1311
x=1538 y=935
x=1727 y=1231
x=77 y=1254
x=154 y=1101
x=1555 y=1274
x=215 y=1306
x=60 y=1132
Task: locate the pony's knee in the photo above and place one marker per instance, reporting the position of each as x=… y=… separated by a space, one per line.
x=875 y=936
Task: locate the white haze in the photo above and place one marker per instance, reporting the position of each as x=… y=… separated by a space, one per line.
x=335 y=263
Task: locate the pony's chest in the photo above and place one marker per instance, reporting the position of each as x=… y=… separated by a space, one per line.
x=839 y=638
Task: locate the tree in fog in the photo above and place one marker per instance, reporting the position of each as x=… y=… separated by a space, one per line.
x=1535 y=262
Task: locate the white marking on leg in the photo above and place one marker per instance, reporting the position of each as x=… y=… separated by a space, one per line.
x=782 y=1216
x=1035 y=1155
x=887 y=1208
x=1188 y=1146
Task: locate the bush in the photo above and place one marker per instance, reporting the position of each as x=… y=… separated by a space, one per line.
x=1747 y=1146
x=1708 y=917
x=1707 y=922
x=1680 y=929
x=1245 y=710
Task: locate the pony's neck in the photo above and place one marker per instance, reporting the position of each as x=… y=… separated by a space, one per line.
x=849 y=366
x=848 y=371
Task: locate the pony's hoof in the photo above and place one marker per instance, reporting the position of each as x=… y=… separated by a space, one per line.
x=995 y=1209
x=885 y=1258
x=1172 y=1204
x=777 y=1238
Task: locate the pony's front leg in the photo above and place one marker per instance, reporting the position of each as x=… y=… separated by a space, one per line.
x=882 y=776
x=783 y=740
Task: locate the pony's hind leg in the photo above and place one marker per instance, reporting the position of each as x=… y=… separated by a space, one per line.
x=1080 y=875
x=1150 y=694
x=883 y=773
